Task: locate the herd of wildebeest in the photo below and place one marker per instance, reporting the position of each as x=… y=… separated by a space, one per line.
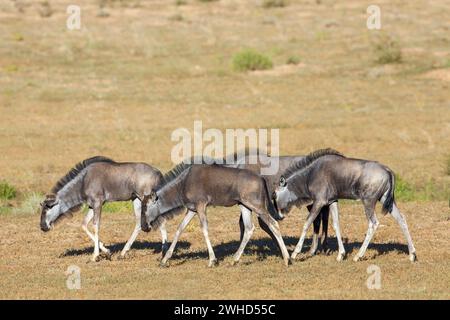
x=317 y=180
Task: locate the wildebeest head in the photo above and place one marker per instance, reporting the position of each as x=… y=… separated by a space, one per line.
x=284 y=196
x=49 y=212
x=149 y=211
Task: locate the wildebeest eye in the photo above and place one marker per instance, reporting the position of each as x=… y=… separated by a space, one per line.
x=282 y=181
x=154 y=196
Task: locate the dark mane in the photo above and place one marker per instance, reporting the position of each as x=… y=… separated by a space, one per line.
x=76 y=170
x=174 y=173
x=181 y=167
x=308 y=160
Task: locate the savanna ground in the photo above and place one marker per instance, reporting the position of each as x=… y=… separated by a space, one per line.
x=137 y=70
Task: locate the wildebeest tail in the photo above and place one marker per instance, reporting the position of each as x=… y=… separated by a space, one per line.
x=390 y=199
x=270 y=206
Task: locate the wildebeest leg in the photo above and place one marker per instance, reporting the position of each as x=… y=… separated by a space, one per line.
x=268 y=231
x=164 y=245
x=335 y=216
x=274 y=227
x=96 y=223
x=137 y=227
x=246 y=216
x=316 y=237
x=187 y=218
x=324 y=213
x=201 y=209
x=85 y=228
x=263 y=227
x=369 y=209
x=402 y=222
x=311 y=216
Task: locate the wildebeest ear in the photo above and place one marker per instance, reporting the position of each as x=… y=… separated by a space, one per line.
x=50 y=201
x=282 y=181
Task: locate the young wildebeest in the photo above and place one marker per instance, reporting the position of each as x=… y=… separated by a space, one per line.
x=325 y=176
x=255 y=163
x=95 y=181
x=194 y=187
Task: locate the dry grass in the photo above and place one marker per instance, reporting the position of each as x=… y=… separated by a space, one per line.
x=123 y=83
x=33 y=264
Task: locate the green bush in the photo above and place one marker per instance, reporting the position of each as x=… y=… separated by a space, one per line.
x=273 y=3
x=403 y=190
x=31 y=204
x=176 y=17
x=251 y=60
x=448 y=165
x=293 y=60
x=7 y=191
x=387 y=51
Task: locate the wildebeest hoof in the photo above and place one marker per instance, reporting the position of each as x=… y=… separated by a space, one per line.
x=234 y=262
x=107 y=255
x=413 y=257
x=213 y=263
x=94 y=259
x=356 y=258
x=340 y=257
x=164 y=264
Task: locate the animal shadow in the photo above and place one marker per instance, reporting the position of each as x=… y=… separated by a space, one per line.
x=380 y=248
x=265 y=247
x=117 y=247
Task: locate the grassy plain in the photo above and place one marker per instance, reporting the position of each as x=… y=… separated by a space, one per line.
x=137 y=70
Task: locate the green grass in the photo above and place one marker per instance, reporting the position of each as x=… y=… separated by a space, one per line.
x=448 y=166
x=30 y=204
x=293 y=60
x=249 y=60
x=403 y=190
x=387 y=51
x=273 y=3
x=115 y=207
x=176 y=17
x=428 y=191
x=7 y=191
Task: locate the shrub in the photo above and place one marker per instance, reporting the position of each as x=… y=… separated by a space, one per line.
x=251 y=60
x=180 y=2
x=176 y=17
x=273 y=3
x=7 y=191
x=403 y=190
x=30 y=204
x=293 y=60
x=448 y=165
x=45 y=10
x=387 y=51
